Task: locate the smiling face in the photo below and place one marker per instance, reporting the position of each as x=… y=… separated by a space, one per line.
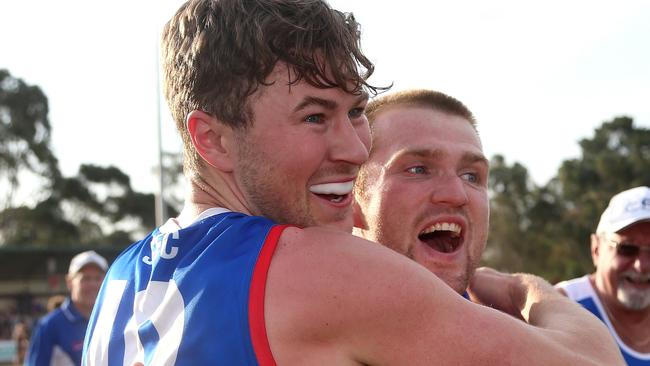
x=298 y=161
x=424 y=191
x=624 y=280
x=84 y=286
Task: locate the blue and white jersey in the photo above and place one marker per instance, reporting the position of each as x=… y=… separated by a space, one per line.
x=187 y=296
x=581 y=291
x=58 y=338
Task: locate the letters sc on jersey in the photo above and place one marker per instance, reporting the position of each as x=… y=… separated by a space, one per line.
x=187 y=296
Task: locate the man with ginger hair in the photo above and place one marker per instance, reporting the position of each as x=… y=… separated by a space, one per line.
x=260 y=267
x=424 y=190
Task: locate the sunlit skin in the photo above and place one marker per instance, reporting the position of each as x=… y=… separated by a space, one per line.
x=84 y=287
x=426 y=167
x=301 y=138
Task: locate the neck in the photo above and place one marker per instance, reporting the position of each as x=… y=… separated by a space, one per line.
x=210 y=191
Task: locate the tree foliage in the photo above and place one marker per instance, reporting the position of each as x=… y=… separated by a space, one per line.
x=545 y=230
x=24 y=133
x=95 y=207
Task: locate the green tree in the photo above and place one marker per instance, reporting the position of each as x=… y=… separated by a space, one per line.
x=24 y=135
x=95 y=207
x=545 y=230
x=616 y=158
x=519 y=212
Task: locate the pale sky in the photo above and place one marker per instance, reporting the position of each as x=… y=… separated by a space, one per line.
x=539 y=76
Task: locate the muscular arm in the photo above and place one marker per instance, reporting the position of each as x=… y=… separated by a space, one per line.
x=334 y=299
x=553 y=316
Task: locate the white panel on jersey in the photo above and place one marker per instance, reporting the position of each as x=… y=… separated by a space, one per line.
x=97 y=352
x=60 y=358
x=163 y=305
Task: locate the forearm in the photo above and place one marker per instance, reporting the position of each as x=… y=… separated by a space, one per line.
x=566 y=323
x=558 y=330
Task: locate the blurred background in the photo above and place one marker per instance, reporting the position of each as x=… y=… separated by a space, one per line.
x=89 y=157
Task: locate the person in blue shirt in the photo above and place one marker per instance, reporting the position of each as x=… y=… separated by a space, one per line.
x=618 y=292
x=57 y=339
x=424 y=190
x=260 y=267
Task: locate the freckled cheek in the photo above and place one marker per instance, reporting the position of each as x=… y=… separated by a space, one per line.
x=481 y=205
x=408 y=200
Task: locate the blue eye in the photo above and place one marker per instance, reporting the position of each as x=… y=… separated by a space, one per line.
x=470 y=177
x=314 y=118
x=356 y=113
x=418 y=169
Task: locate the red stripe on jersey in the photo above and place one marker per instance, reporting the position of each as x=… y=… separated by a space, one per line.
x=257 y=325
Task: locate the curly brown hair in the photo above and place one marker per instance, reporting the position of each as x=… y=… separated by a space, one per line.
x=216 y=54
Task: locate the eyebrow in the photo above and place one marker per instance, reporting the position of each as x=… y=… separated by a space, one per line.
x=467 y=158
x=326 y=103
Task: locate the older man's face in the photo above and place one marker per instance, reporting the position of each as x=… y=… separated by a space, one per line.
x=623 y=266
x=84 y=285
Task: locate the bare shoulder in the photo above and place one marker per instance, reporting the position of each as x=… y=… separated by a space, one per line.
x=339 y=261
x=344 y=300
x=335 y=299
x=317 y=249
x=327 y=261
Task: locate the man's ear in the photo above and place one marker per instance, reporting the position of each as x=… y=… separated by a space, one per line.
x=595 y=248
x=210 y=138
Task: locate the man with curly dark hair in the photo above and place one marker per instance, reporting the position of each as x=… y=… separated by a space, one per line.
x=260 y=267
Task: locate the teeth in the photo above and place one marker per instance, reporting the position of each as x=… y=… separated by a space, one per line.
x=332 y=188
x=442 y=226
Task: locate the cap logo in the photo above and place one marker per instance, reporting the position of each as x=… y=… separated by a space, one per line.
x=635 y=206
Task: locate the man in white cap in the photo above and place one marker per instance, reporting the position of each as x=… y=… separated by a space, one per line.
x=58 y=337
x=618 y=292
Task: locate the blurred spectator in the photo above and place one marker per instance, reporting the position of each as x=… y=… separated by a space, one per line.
x=618 y=292
x=58 y=337
x=20 y=336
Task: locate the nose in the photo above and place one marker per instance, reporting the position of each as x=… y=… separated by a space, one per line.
x=350 y=141
x=450 y=191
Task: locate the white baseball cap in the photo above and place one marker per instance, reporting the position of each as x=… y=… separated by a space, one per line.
x=625 y=209
x=85 y=258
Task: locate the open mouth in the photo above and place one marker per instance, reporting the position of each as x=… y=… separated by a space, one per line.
x=335 y=198
x=333 y=192
x=443 y=237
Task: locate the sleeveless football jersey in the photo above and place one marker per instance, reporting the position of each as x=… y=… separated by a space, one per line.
x=581 y=291
x=187 y=296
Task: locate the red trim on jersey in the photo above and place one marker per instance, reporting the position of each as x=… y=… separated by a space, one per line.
x=256 y=322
